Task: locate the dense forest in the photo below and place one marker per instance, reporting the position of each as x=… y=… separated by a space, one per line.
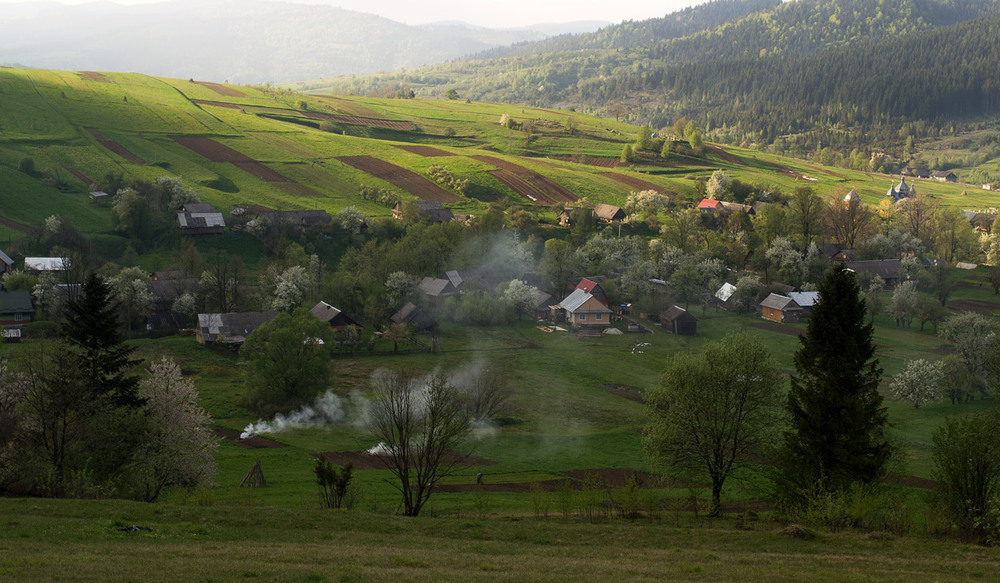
x=840 y=74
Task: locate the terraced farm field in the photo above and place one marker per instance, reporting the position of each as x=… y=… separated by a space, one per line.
x=408 y=180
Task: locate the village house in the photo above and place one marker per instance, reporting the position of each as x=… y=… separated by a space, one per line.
x=338 y=320
x=780 y=309
x=584 y=310
x=200 y=219
x=677 y=320
x=805 y=300
x=231 y=328
x=15 y=308
x=944 y=176
x=436 y=289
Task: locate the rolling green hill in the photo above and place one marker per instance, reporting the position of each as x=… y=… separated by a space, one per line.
x=62 y=132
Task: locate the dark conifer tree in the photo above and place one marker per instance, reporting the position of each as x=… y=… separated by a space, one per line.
x=838 y=421
x=93 y=330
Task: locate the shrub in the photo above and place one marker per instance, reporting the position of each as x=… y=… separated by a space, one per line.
x=26 y=165
x=335 y=489
x=966 y=456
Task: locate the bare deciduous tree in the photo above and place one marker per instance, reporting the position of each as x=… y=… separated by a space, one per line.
x=420 y=423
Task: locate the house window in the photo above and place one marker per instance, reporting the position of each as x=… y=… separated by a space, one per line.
x=17 y=317
x=583 y=317
x=599 y=317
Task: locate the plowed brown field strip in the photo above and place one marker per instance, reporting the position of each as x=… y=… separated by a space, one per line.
x=553 y=192
x=350 y=108
x=115 y=147
x=222 y=89
x=83 y=177
x=425 y=151
x=636 y=183
x=388 y=124
x=216 y=152
x=408 y=180
x=217 y=104
x=599 y=162
x=521 y=186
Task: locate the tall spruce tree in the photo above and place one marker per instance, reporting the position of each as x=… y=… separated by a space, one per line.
x=838 y=421
x=93 y=331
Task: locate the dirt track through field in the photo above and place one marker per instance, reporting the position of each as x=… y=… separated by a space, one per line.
x=115 y=147
x=408 y=180
x=16 y=226
x=216 y=152
x=529 y=183
x=83 y=177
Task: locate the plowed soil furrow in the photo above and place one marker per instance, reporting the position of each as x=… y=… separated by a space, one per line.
x=636 y=183
x=521 y=186
x=222 y=89
x=216 y=152
x=553 y=192
x=408 y=180
x=115 y=147
x=425 y=151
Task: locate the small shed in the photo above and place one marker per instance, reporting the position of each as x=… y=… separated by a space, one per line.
x=677 y=320
x=724 y=294
x=414 y=316
x=780 y=309
x=806 y=300
x=607 y=213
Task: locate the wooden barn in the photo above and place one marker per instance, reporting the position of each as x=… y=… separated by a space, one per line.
x=780 y=309
x=677 y=320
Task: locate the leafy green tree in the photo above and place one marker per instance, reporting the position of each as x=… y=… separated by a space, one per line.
x=716 y=413
x=805 y=215
x=718 y=185
x=838 y=421
x=974 y=336
x=288 y=361
x=451 y=94
x=628 y=156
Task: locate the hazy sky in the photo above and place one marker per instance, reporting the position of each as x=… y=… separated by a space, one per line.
x=496 y=14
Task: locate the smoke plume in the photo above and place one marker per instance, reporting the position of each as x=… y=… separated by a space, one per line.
x=326 y=409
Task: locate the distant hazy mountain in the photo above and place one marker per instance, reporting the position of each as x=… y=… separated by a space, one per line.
x=242 y=41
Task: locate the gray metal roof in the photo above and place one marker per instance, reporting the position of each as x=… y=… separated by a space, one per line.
x=324 y=312
x=776 y=302
x=5 y=258
x=16 y=302
x=805 y=299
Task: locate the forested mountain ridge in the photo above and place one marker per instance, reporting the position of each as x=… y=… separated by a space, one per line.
x=817 y=73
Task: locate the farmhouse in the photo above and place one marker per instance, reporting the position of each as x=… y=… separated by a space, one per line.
x=200 y=219
x=781 y=309
x=677 y=320
x=430 y=210
x=15 y=308
x=338 y=320
x=709 y=205
x=232 y=328
x=585 y=310
x=944 y=176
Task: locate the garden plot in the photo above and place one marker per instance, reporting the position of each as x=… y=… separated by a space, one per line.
x=425 y=151
x=222 y=89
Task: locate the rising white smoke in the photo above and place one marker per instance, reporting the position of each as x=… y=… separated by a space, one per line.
x=325 y=410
